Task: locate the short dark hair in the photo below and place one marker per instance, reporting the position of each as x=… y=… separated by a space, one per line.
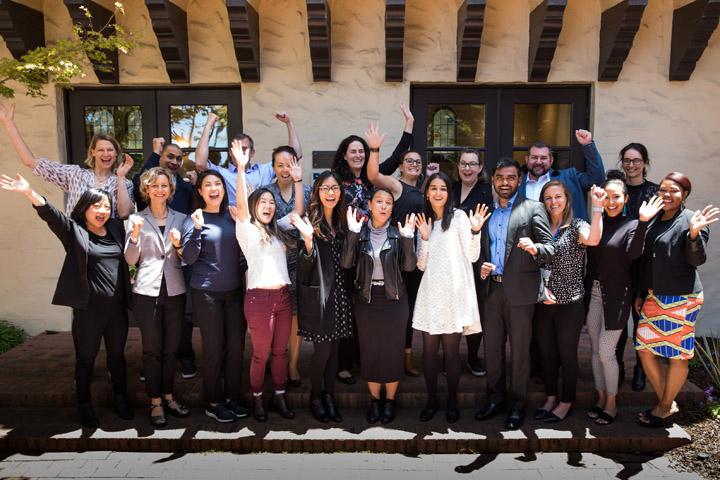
x=199 y=202
x=89 y=198
x=617 y=177
x=506 y=162
x=681 y=179
x=165 y=147
x=283 y=149
x=448 y=208
x=540 y=144
x=242 y=136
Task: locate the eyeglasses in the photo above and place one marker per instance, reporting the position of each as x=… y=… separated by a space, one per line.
x=413 y=161
x=325 y=189
x=172 y=156
x=632 y=161
x=469 y=164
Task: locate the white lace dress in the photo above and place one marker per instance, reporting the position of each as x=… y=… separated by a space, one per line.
x=446 y=300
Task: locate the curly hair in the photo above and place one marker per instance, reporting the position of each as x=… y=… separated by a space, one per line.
x=340 y=165
x=150 y=176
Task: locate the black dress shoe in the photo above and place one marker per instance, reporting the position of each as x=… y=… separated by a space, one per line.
x=489 y=411
x=330 y=408
x=350 y=380
x=452 y=414
x=318 y=409
x=515 y=420
x=88 y=418
x=638 y=381
x=122 y=407
x=541 y=414
x=428 y=412
x=373 y=411
x=259 y=411
x=388 y=412
x=280 y=406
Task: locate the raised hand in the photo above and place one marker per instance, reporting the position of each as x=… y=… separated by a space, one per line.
x=409 y=117
x=7 y=113
x=295 y=169
x=175 y=237
x=241 y=156
x=212 y=119
x=124 y=168
x=583 y=137
x=283 y=117
x=408 y=230
x=649 y=209
x=478 y=219
x=136 y=223
x=354 y=224
x=703 y=218
x=486 y=269
x=17 y=184
x=597 y=196
x=158 y=144
x=198 y=219
x=431 y=168
x=373 y=136
x=527 y=245
x=424 y=226
x=303 y=225
x=191 y=177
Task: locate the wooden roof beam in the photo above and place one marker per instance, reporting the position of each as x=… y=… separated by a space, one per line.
x=470 y=22
x=545 y=27
x=693 y=25
x=318 y=18
x=21 y=27
x=617 y=32
x=246 y=38
x=100 y=17
x=170 y=25
x=394 y=37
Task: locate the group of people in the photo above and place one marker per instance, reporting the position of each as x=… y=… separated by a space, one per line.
x=364 y=257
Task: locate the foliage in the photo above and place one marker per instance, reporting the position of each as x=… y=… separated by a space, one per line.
x=707 y=352
x=10 y=336
x=66 y=58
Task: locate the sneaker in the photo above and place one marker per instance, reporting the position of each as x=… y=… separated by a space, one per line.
x=220 y=413
x=476 y=368
x=187 y=368
x=238 y=410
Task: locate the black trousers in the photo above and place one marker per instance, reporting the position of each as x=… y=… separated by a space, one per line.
x=185 y=349
x=160 y=320
x=503 y=321
x=556 y=329
x=223 y=328
x=473 y=341
x=106 y=318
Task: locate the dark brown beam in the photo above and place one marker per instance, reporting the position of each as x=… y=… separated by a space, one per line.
x=394 y=37
x=246 y=38
x=617 y=33
x=318 y=20
x=693 y=25
x=470 y=21
x=545 y=26
x=100 y=17
x=21 y=27
x=170 y=25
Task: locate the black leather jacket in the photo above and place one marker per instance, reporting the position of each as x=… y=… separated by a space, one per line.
x=398 y=254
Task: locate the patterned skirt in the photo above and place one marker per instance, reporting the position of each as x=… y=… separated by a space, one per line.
x=667 y=325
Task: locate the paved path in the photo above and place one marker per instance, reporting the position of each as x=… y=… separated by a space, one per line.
x=208 y=466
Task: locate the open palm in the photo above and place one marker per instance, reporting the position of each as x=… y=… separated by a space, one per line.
x=17 y=184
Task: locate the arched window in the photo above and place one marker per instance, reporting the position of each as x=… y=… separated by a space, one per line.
x=444 y=127
x=98 y=120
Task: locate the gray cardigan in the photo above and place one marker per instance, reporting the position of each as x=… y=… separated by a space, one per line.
x=155 y=256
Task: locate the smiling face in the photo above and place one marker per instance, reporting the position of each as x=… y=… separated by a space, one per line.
x=633 y=164
x=329 y=193
x=98 y=214
x=555 y=201
x=437 y=194
x=411 y=166
x=616 y=198
x=671 y=194
x=380 y=206
x=538 y=161
x=506 y=181
x=104 y=154
x=282 y=167
x=171 y=158
x=355 y=157
x=212 y=192
x=469 y=168
x=265 y=208
x=159 y=191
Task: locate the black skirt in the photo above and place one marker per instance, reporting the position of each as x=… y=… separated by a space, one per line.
x=381 y=334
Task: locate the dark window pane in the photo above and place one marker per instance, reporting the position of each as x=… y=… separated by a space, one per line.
x=124 y=122
x=456 y=125
x=548 y=122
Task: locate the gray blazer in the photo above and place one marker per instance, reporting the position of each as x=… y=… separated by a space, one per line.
x=155 y=256
x=522 y=280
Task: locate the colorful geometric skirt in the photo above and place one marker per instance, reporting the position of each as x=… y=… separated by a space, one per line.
x=667 y=325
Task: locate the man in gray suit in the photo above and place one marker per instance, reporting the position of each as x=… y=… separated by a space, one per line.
x=515 y=241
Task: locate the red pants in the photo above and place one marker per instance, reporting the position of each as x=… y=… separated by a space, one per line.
x=269 y=318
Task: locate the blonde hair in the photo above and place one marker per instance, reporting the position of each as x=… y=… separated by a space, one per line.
x=90 y=160
x=150 y=176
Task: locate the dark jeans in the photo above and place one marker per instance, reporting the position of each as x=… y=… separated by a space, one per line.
x=503 y=321
x=223 y=328
x=556 y=329
x=106 y=318
x=160 y=320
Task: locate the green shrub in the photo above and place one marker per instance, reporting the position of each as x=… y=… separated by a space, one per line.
x=10 y=336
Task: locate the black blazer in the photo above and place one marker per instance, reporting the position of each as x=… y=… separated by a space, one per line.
x=481 y=193
x=522 y=280
x=675 y=257
x=73 y=287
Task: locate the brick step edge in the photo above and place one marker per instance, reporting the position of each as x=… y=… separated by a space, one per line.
x=406 y=447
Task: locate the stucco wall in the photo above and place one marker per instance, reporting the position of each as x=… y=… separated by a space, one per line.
x=676 y=120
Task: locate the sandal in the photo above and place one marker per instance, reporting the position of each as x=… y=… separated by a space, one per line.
x=594 y=413
x=157 y=420
x=653 y=421
x=605 y=419
x=175 y=408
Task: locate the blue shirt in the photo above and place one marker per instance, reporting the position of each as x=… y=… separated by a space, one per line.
x=497 y=230
x=258 y=174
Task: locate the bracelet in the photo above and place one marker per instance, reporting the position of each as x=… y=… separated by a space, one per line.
x=598 y=209
x=476 y=233
x=297 y=181
x=375 y=150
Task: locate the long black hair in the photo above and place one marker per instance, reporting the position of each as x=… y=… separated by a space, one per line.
x=340 y=165
x=199 y=202
x=448 y=208
x=271 y=229
x=89 y=198
x=315 y=209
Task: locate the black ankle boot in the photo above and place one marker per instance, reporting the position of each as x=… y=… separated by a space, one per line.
x=330 y=407
x=638 y=381
x=280 y=406
x=88 y=418
x=373 y=411
x=388 y=411
x=122 y=407
x=259 y=411
x=318 y=409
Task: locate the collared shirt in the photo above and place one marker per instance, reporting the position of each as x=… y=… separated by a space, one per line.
x=497 y=230
x=258 y=174
x=534 y=187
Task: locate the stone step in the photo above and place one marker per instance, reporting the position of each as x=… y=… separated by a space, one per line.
x=25 y=430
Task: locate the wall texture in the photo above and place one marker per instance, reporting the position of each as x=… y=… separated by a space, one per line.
x=678 y=121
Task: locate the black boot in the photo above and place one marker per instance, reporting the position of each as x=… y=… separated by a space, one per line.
x=318 y=409
x=280 y=406
x=373 y=411
x=122 y=407
x=88 y=418
x=259 y=411
x=388 y=411
x=638 y=381
x=330 y=407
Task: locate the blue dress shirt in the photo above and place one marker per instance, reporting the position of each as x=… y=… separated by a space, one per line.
x=497 y=230
x=258 y=174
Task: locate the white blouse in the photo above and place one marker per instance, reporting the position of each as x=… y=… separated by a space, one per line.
x=266 y=258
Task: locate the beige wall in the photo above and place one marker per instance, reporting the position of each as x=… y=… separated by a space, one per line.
x=678 y=121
